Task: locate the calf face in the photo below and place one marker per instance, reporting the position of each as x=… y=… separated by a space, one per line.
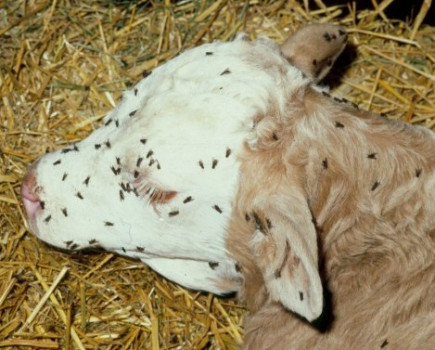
x=157 y=180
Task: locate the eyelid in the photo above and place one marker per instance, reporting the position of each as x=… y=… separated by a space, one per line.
x=159 y=196
x=155 y=193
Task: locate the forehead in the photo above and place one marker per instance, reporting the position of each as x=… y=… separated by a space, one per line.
x=202 y=97
x=198 y=85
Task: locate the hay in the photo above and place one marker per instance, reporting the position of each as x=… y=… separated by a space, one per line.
x=63 y=65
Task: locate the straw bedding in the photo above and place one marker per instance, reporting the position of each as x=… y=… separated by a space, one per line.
x=63 y=65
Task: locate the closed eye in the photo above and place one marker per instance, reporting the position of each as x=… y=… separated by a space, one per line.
x=155 y=194
x=159 y=196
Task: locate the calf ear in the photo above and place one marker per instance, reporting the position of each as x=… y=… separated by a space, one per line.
x=314 y=48
x=285 y=248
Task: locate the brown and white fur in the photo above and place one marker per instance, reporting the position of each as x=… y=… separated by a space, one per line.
x=157 y=180
x=335 y=215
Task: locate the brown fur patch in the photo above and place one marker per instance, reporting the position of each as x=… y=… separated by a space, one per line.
x=377 y=246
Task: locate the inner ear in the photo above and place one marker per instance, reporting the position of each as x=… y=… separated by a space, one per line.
x=314 y=48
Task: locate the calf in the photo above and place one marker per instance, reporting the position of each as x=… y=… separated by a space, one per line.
x=157 y=180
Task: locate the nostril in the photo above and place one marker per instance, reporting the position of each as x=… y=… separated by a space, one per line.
x=29 y=193
x=31 y=201
x=31 y=207
x=28 y=186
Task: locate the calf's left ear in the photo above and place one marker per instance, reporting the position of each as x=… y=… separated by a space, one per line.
x=314 y=48
x=285 y=249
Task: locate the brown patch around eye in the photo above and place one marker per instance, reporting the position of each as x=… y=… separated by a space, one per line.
x=154 y=192
x=159 y=196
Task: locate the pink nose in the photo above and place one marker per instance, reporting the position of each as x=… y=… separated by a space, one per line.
x=30 y=198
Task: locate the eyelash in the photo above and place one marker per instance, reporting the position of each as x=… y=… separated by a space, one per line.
x=156 y=195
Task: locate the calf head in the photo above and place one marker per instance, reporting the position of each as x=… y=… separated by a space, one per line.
x=157 y=180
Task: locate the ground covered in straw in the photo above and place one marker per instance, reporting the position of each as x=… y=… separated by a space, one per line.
x=63 y=65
